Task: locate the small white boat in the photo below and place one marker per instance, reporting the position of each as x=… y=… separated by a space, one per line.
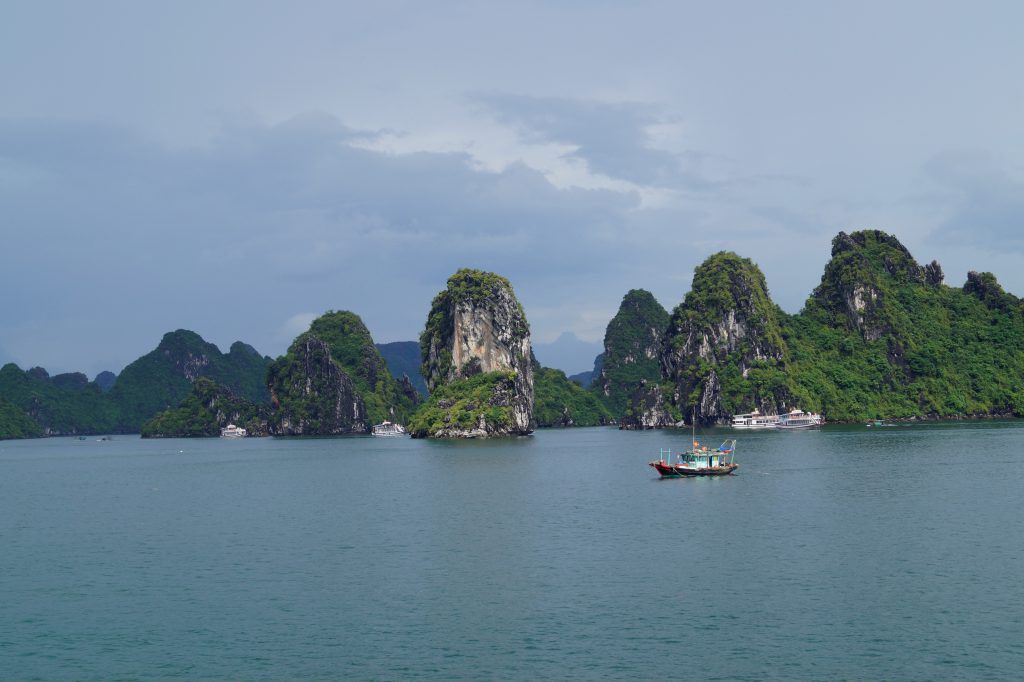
x=232 y=431
x=388 y=429
x=798 y=419
x=754 y=420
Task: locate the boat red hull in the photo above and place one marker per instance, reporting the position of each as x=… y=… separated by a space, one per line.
x=678 y=471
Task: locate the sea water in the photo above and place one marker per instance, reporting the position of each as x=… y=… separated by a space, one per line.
x=840 y=553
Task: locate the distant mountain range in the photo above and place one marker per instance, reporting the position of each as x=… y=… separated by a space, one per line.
x=403 y=360
x=568 y=353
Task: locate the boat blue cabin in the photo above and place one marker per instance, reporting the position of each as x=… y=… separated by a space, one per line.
x=704 y=457
x=700 y=461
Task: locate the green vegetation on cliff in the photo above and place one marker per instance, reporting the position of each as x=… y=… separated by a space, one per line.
x=207 y=409
x=66 y=404
x=724 y=347
x=352 y=348
x=243 y=371
x=462 y=404
x=308 y=391
x=69 y=404
x=883 y=337
x=722 y=283
x=632 y=345
x=312 y=394
x=880 y=337
x=477 y=286
x=561 y=402
x=15 y=423
x=162 y=378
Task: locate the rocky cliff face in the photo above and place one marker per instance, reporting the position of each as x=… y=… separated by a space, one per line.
x=334 y=381
x=649 y=408
x=632 y=351
x=353 y=350
x=476 y=327
x=312 y=395
x=858 y=281
x=208 y=408
x=984 y=287
x=723 y=350
x=882 y=336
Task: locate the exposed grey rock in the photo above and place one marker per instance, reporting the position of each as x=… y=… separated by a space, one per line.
x=648 y=409
x=727 y=320
x=476 y=326
x=313 y=395
x=933 y=275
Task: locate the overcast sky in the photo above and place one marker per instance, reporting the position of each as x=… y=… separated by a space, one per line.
x=237 y=168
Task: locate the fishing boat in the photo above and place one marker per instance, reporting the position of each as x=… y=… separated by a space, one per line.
x=878 y=423
x=232 y=431
x=754 y=420
x=698 y=461
x=387 y=428
x=798 y=419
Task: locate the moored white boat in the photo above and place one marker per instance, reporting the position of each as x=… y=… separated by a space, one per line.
x=232 y=431
x=387 y=428
x=798 y=419
x=754 y=420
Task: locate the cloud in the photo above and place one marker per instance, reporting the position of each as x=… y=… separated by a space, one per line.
x=296 y=324
x=121 y=238
x=127 y=238
x=985 y=200
x=270 y=222
x=613 y=139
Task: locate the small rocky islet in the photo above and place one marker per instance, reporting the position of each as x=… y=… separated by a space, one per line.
x=880 y=337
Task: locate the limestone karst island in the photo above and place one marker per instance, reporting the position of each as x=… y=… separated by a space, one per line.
x=881 y=337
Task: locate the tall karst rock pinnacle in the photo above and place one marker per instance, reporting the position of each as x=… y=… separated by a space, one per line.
x=723 y=351
x=632 y=350
x=333 y=381
x=477 y=361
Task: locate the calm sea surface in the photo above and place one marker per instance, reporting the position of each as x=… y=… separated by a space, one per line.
x=842 y=553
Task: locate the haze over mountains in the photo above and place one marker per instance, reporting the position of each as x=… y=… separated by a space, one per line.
x=568 y=353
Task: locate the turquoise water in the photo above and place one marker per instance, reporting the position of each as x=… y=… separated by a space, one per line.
x=846 y=553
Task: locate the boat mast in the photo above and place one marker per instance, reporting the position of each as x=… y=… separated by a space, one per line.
x=693 y=436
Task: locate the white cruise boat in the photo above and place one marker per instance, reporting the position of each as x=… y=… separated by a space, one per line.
x=388 y=429
x=232 y=431
x=798 y=419
x=754 y=420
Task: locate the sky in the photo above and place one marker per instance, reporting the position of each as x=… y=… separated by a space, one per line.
x=238 y=168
